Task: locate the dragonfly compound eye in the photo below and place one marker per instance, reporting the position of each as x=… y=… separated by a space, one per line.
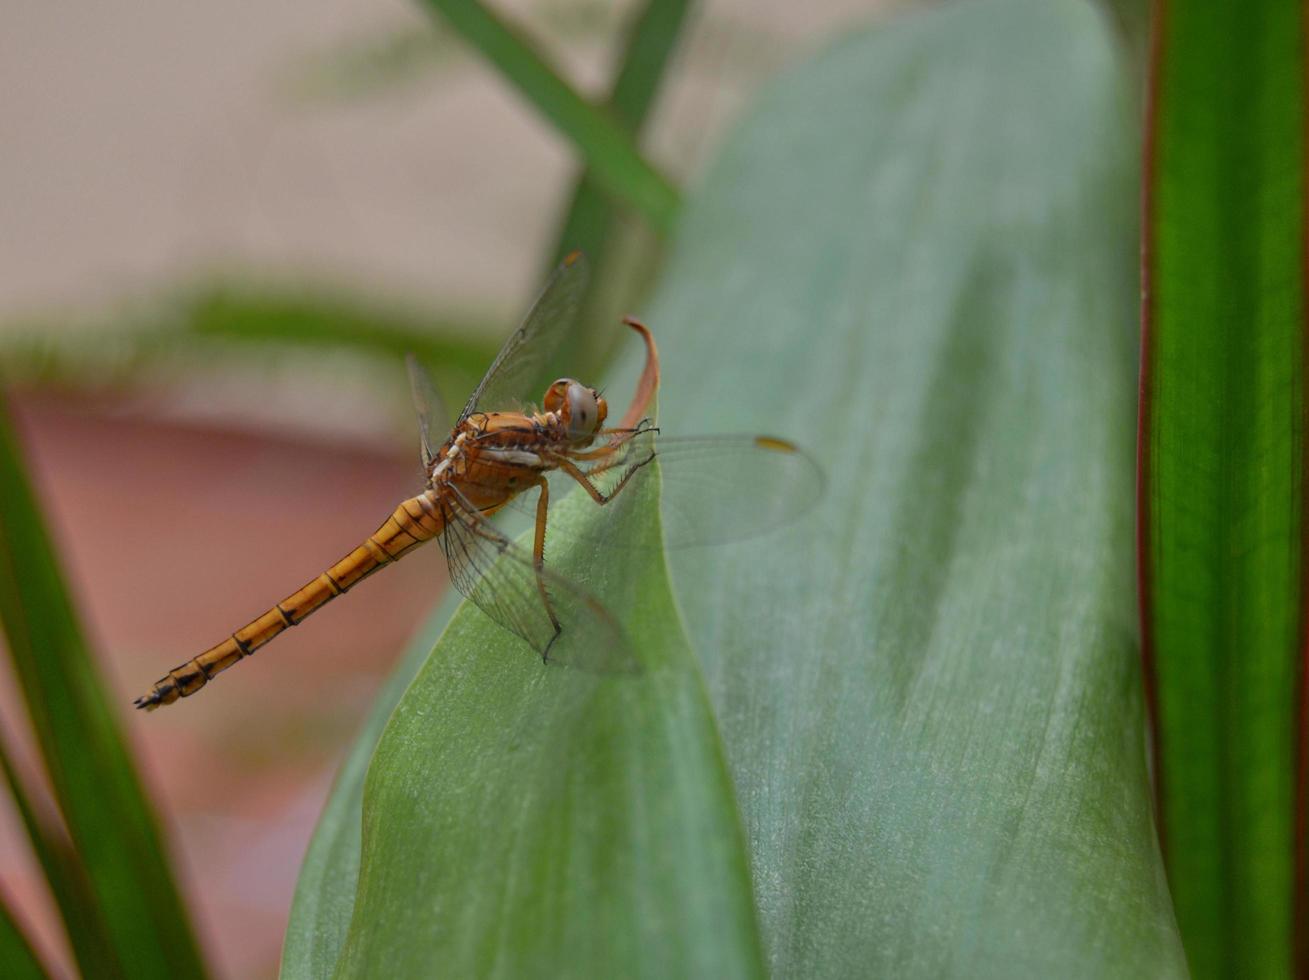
x=584 y=410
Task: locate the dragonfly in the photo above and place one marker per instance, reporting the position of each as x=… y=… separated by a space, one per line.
x=713 y=488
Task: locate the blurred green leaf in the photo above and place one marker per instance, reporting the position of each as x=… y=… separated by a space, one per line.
x=592 y=219
x=608 y=150
x=84 y=925
x=94 y=780
x=1222 y=491
x=191 y=324
x=17 y=959
x=916 y=257
x=651 y=40
x=317 y=318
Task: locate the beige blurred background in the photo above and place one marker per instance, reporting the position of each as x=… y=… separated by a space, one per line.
x=146 y=146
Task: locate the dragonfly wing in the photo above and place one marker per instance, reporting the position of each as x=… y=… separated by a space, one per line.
x=718 y=489
x=430 y=409
x=529 y=349
x=500 y=577
x=714 y=489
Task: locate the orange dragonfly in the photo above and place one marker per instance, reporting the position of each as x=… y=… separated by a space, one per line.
x=729 y=487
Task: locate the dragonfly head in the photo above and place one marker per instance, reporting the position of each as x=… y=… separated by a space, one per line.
x=581 y=409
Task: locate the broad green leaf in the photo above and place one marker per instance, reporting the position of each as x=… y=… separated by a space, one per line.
x=91 y=771
x=916 y=257
x=523 y=820
x=1223 y=472
x=325 y=892
x=608 y=150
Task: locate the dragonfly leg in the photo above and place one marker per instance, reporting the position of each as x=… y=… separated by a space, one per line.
x=538 y=561
x=599 y=496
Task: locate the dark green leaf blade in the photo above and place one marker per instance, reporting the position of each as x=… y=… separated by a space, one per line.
x=1222 y=472
x=95 y=782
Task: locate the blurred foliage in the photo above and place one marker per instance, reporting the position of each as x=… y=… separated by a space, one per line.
x=382 y=61
x=246 y=321
x=64 y=874
x=1223 y=486
x=615 y=161
x=110 y=822
x=594 y=221
x=16 y=955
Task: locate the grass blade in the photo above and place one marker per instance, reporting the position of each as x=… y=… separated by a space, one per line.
x=650 y=43
x=1222 y=471
x=83 y=923
x=17 y=958
x=592 y=218
x=608 y=150
x=316 y=318
x=244 y=319
x=92 y=774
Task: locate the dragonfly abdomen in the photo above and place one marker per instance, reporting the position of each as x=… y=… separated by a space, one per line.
x=415 y=521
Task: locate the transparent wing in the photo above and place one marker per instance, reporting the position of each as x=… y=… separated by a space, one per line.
x=529 y=349
x=715 y=489
x=501 y=579
x=433 y=425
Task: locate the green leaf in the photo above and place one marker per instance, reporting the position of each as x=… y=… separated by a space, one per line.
x=315 y=317
x=606 y=147
x=917 y=258
x=17 y=959
x=592 y=221
x=94 y=780
x=242 y=316
x=325 y=892
x=651 y=40
x=564 y=822
x=1222 y=489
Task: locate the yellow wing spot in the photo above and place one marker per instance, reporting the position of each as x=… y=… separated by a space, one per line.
x=777 y=445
